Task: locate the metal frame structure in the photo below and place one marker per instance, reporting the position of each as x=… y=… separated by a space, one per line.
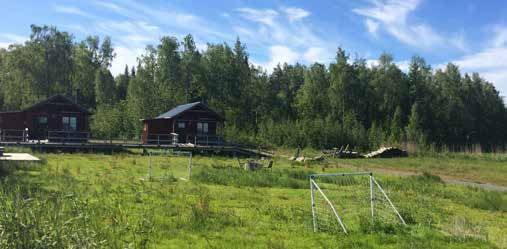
x=373 y=184
x=189 y=153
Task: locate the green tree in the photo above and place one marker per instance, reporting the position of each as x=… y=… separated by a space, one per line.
x=312 y=98
x=396 y=127
x=104 y=87
x=122 y=84
x=414 y=130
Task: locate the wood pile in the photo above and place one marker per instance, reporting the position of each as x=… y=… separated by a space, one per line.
x=387 y=152
x=343 y=152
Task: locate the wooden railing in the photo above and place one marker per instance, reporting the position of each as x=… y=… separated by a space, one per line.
x=208 y=140
x=8 y=135
x=88 y=137
x=160 y=139
x=11 y=135
x=68 y=136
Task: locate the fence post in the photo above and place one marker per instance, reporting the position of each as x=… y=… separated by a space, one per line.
x=149 y=167
x=190 y=167
x=372 y=199
x=313 y=207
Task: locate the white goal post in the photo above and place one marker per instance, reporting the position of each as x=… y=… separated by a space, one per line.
x=173 y=152
x=344 y=201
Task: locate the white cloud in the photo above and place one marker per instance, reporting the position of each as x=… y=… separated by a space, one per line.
x=15 y=38
x=125 y=56
x=490 y=61
x=70 y=10
x=289 y=36
x=279 y=54
x=264 y=16
x=113 y=7
x=459 y=42
x=392 y=16
x=372 y=26
x=316 y=54
x=137 y=38
x=500 y=38
x=402 y=65
x=164 y=18
x=295 y=14
x=4 y=44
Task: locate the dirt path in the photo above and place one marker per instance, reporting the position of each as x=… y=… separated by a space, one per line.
x=445 y=179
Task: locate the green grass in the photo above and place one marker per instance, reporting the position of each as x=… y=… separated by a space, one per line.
x=105 y=201
x=480 y=168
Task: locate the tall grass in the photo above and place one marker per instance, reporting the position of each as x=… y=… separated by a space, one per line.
x=33 y=217
x=295 y=179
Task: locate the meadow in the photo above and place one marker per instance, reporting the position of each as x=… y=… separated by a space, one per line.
x=107 y=201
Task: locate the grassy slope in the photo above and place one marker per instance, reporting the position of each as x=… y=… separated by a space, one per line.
x=103 y=198
x=480 y=169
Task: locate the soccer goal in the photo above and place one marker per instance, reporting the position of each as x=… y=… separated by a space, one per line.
x=349 y=202
x=159 y=167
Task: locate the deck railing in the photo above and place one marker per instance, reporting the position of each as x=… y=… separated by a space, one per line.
x=208 y=140
x=88 y=137
x=160 y=139
x=12 y=135
x=68 y=136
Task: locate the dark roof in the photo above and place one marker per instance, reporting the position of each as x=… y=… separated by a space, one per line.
x=183 y=108
x=177 y=110
x=53 y=99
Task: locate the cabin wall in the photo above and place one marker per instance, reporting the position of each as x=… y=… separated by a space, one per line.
x=187 y=134
x=54 y=113
x=13 y=120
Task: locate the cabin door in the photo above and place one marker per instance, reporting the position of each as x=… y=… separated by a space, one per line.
x=40 y=128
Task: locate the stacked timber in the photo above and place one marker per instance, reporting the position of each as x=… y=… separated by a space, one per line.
x=387 y=152
x=343 y=152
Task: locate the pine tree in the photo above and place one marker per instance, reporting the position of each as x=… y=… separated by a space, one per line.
x=396 y=126
x=413 y=130
x=104 y=87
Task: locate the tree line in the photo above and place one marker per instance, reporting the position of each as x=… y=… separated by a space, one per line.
x=317 y=105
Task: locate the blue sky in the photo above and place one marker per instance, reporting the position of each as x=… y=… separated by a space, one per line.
x=472 y=34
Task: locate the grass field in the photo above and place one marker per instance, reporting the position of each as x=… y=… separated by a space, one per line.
x=105 y=201
x=480 y=168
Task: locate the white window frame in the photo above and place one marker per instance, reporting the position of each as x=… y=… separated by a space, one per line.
x=69 y=123
x=202 y=128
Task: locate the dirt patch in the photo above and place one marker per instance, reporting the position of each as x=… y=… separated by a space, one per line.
x=445 y=178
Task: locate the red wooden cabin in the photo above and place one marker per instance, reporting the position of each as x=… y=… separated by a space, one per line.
x=193 y=123
x=57 y=114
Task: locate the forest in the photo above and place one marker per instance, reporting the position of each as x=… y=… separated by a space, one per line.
x=318 y=106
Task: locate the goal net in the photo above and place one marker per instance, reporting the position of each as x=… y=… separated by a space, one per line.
x=169 y=165
x=348 y=202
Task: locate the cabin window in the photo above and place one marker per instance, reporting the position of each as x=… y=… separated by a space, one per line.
x=69 y=123
x=202 y=128
x=181 y=125
x=43 y=120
